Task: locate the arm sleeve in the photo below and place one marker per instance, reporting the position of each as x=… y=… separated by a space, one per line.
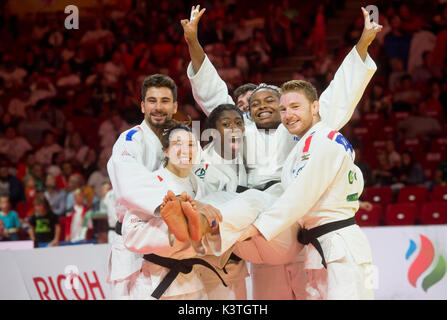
x=134 y=185
x=145 y=235
x=338 y=101
x=304 y=192
x=208 y=88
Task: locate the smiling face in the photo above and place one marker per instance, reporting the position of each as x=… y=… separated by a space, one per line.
x=264 y=109
x=182 y=150
x=158 y=106
x=298 y=114
x=230 y=126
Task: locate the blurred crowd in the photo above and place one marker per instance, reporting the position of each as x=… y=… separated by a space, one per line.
x=66 y=95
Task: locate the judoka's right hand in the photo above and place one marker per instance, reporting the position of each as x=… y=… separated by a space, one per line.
x=212 y=215
x=190 y=26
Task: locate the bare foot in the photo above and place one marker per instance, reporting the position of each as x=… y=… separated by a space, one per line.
x=171 y=212
x=190 y=211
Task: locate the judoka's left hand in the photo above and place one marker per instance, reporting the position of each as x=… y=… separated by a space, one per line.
x=250 y=232
x=370 y=30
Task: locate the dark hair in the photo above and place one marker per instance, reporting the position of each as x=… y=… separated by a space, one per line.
x=243 y=89
x=263 y=86
x=167 y=134
x=215 y=114
x=40 y=199
x=158 y=81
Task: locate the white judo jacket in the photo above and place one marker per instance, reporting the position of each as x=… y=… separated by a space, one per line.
x=322 y=184
x=266 y=151
x=136 y=154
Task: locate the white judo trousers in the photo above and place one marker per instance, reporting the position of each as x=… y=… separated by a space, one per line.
x=322 y=185
x=223 y=175
x=265 y=153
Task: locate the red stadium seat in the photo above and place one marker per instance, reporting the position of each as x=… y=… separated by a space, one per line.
x=439 y=193
x=369 y=218
x=399 y=214
x=434 y=213
x=413 y=145
x=413 y=194
x=385 y=132
x=380 y=195
x=439 y=145
x=23 y=209
x=62 y=223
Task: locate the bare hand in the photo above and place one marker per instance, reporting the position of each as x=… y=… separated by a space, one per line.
x=212 y=215
x=190 y=26
x=365 y=205
x=370 y=29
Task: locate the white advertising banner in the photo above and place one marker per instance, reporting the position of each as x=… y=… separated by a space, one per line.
x=410 y=262
x=12 y=286
x=65 y=273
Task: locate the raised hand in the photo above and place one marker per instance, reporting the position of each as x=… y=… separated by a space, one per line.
x=370 y=29
x=190 y=26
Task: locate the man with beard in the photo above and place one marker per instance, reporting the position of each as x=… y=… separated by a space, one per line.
x=136 y=154
x=268 y=143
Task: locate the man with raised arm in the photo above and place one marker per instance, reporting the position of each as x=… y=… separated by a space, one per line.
x=266 y=151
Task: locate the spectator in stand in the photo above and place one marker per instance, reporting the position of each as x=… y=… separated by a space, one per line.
x=55 y=168
x=406 y=93
x=77 y=151
x=30 y=188
x=422 y=74
x=3 y=232
x=13 y=146
x=394 y=157
x=435 y=98
x=385 y=174
x=74 y=231
x=42 y=89
x=379 y=101
x=33 y=127
x=63 y=178
x=318 y=36
x=397 y=43
x=39 y=176
x=50 y=111
x=111 y=128
x=75 y=182
x=10 y=73
x=24 y=168
x=45 y=154
x=66 y=79
x=410 y=22
x=55 y=197
x=45 y=229
x=19 y=106
x=90 y=163
x=97 y=177
x=9 y=184
x=9 y=218
x=411 y=172
x=114 y=70
x=419 y=125
x=93 y=36
x=363 y=166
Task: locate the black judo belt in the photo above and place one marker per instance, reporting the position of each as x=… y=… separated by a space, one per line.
x=311 y=236
x=118 y=227
x=176 y=266
x=267 y=185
